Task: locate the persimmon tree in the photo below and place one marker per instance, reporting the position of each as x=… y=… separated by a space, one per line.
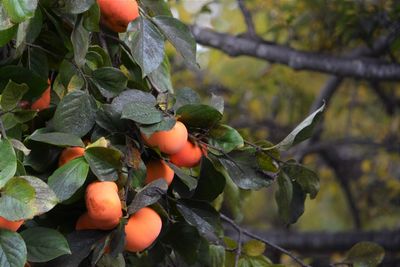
x=109 y=92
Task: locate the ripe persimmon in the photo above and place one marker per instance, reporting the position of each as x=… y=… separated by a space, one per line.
x=43 y=101
x=85 y=222
x=142 y=229
x=102 y=201
x=116 y=14
x=10 y=225
x=189 y=156
x=70 y=153
x=158 y=169
x=170 y=141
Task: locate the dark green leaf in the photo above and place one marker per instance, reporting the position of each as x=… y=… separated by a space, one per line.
x=104 y=162
x=8 y=161
x=157 y=7
x=302 y=131
x=202 y=216
x=44 y=244
x=34 y=29
x=180 y=37
x=17 y=200
x=42 y=156
x=211 y=182
x=110 y=81
x=142 y=112
x=187 y=179
x=186 y=96
x=225 y=138
x=20 y=10
x=7 y=35
x=130 y=96
x=80 y=41
x=266 y=162
x=217 y=256
x=67 y=179
x=57 y=139
x=12 y=249
x=107 y=260
x=75 y=114
x=77 y=6
x=365 y=254
x=306 y=178
x=149 y=195
x=199 y=116
x=12 y=94
x=166 y=124
x=161 y=78
x=146 y=43
x=91 y=18
x=39 y=62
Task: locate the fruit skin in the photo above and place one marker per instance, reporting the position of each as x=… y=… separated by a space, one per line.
x=189 y=156
x=43 y=101
x=102 y=201
x=158 y=169
x=171 y=141
x=142 y=229
x=116 y=14
x=85 y=222
x=69 y=154
x=10 y=225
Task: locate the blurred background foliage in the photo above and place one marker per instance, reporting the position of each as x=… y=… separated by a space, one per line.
x=266 y=100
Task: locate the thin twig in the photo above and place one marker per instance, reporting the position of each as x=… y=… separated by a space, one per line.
x=2 y=129
x=238 y=251
x=254 y=236
x=247 y=18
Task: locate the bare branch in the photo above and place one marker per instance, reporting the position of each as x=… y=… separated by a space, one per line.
x=251 y=30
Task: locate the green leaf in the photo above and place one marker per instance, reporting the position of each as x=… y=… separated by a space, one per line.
x=290 y=199
x=57 y=139
x=217 y=256
x=365 y=254
x=67 y=179
x=77 y=6
x=149 y=195
x=211 y=182
x=12 y=249
x=146 y=43
x=39 y=62
x=186 y=96
x=187 y=179
x=302 y=131
x=7 y=35
x=20 y=146
x=75 y=114
x=130 y=96
x=266 y=162
x=166 y=124
x=225 y=138
x=104 y=162
x=110 y=81
x=45 y=198
x=202 y=216
x=12 y=94
x=20 y=10
x=199 y=116
x=17 y=200
x=91 y=18
x=8 y=161
x=5 y=21
x=243 y=169
x=142 y=112
x=157 y=7
x=80 y=41
x=254 y=248
x=161 y=78
x=306 y=178
x=44 y=244
x=180 y=37
x=107 y=260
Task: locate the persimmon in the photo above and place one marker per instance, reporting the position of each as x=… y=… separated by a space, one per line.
x=10 y=225
x=158 y=169
x=102 y=201
x=189 y=156
x=142 y=229
x=170 y=141
x=43 y=101
x=85 y=222
x=116 y=14
x=70 y=153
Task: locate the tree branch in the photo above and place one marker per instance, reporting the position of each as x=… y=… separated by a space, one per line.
x=299 y=60
x=251 y=30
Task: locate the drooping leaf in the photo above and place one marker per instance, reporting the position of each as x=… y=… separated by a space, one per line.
x=67 y=179
x=8 y=161
x=365 y=254
x=104 y=162
x=199 y=115
x=91 y=18
x=149 y=195
x=12 y=249
x=57 y=139
x=75 y=114
x=12 y=94
x=161 y=78
x=20 y=10
x=146 y=43
x=225 y=138
x=302 y=131
x=187 y=179
x=306 y=178
x=44 y=244
x=110 y=81
x=142 y=112
x=80 y=41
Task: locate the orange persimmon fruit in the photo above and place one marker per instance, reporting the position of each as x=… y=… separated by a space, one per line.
x=85 y=222
x=70 y=153
x=158 y=169
x=170 y=141
x=142 y=229
x=10 y=225
x=189 y=156
x=116 y=14
x=43 y=101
